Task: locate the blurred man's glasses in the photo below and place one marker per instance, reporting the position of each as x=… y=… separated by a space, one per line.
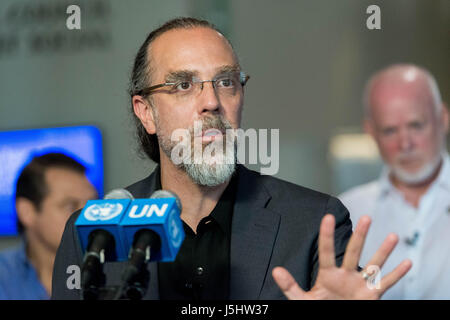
x=225 y=85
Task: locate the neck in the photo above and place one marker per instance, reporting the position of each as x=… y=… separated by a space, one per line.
x=414 y=192
x=197 y=201
x=42 y=259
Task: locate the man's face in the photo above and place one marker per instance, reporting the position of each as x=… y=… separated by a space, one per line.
x=409 y=134
x=201 y=54
x=204 y=53
x=68 y=191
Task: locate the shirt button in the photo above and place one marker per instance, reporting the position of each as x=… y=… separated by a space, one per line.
x=200 y=271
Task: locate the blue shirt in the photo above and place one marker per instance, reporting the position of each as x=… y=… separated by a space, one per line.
x=18 y=278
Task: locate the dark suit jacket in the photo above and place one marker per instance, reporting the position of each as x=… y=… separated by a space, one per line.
x=275 y=223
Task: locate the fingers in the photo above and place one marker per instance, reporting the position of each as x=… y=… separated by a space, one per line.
x=326 y=242
x=390 y=279
x=287 y=284
x=356 y=243
x=380 y=257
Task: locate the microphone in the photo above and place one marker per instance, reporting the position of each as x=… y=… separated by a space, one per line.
x=152 y=231
x=100 y=239
x=411 y=241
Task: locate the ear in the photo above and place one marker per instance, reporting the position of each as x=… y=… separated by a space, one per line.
x=143 y=111
x=26 y=212
x=369 y=127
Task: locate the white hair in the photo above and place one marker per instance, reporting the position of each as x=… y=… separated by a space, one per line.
x=404 y=68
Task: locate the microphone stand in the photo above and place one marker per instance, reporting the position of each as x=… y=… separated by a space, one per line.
x=135 y=277
x=92 y=275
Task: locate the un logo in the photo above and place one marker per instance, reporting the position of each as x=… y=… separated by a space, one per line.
x=174 y=230
x=103 y=212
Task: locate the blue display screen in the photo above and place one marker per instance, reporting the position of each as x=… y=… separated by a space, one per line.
x=17 y=148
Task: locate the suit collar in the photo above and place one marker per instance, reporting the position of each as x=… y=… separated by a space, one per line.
x=254 y=230
x=144 y=188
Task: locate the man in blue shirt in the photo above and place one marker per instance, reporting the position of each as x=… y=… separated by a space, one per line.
x=49 y=189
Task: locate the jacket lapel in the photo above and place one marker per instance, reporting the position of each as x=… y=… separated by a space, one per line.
x=254 y=230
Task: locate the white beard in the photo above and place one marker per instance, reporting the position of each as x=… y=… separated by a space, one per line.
x=420 y=176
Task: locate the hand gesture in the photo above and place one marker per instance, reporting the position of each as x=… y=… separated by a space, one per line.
x=344 y=282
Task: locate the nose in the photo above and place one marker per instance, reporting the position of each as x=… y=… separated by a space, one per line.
x=208 y=100
x=405 y=140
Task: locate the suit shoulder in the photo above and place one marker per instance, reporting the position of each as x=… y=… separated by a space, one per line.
x=295 y=196
x=142 y=188
x=280 y=188
x=298 y=204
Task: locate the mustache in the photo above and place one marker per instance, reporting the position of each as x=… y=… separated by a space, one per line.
x=213 y=122
x=407 y=156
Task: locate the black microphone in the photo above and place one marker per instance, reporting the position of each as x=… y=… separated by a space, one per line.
x=101 y=244
x=92 y=276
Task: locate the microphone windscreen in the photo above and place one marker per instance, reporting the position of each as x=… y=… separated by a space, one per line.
x=167 y=194
x=118 y=194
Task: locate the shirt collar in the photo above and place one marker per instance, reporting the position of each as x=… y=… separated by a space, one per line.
x=443 y=178
x=22 y=258
x=385 y=183
x=29 y=272
x=223 y=211
x=157 y=178
x=22 y=253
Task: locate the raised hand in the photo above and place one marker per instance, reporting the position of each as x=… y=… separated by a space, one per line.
x=344 y=282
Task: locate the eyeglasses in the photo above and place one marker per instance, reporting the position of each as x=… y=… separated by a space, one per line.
x=227 y=84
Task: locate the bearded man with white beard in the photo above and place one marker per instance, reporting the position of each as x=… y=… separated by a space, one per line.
x=409 y=122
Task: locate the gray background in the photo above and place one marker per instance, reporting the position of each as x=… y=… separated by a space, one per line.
x=308 y=62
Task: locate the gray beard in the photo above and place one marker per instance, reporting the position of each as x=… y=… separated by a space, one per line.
x=209 y=175
x=205 y=174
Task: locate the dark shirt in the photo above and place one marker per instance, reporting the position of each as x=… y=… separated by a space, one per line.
x=201 y=270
